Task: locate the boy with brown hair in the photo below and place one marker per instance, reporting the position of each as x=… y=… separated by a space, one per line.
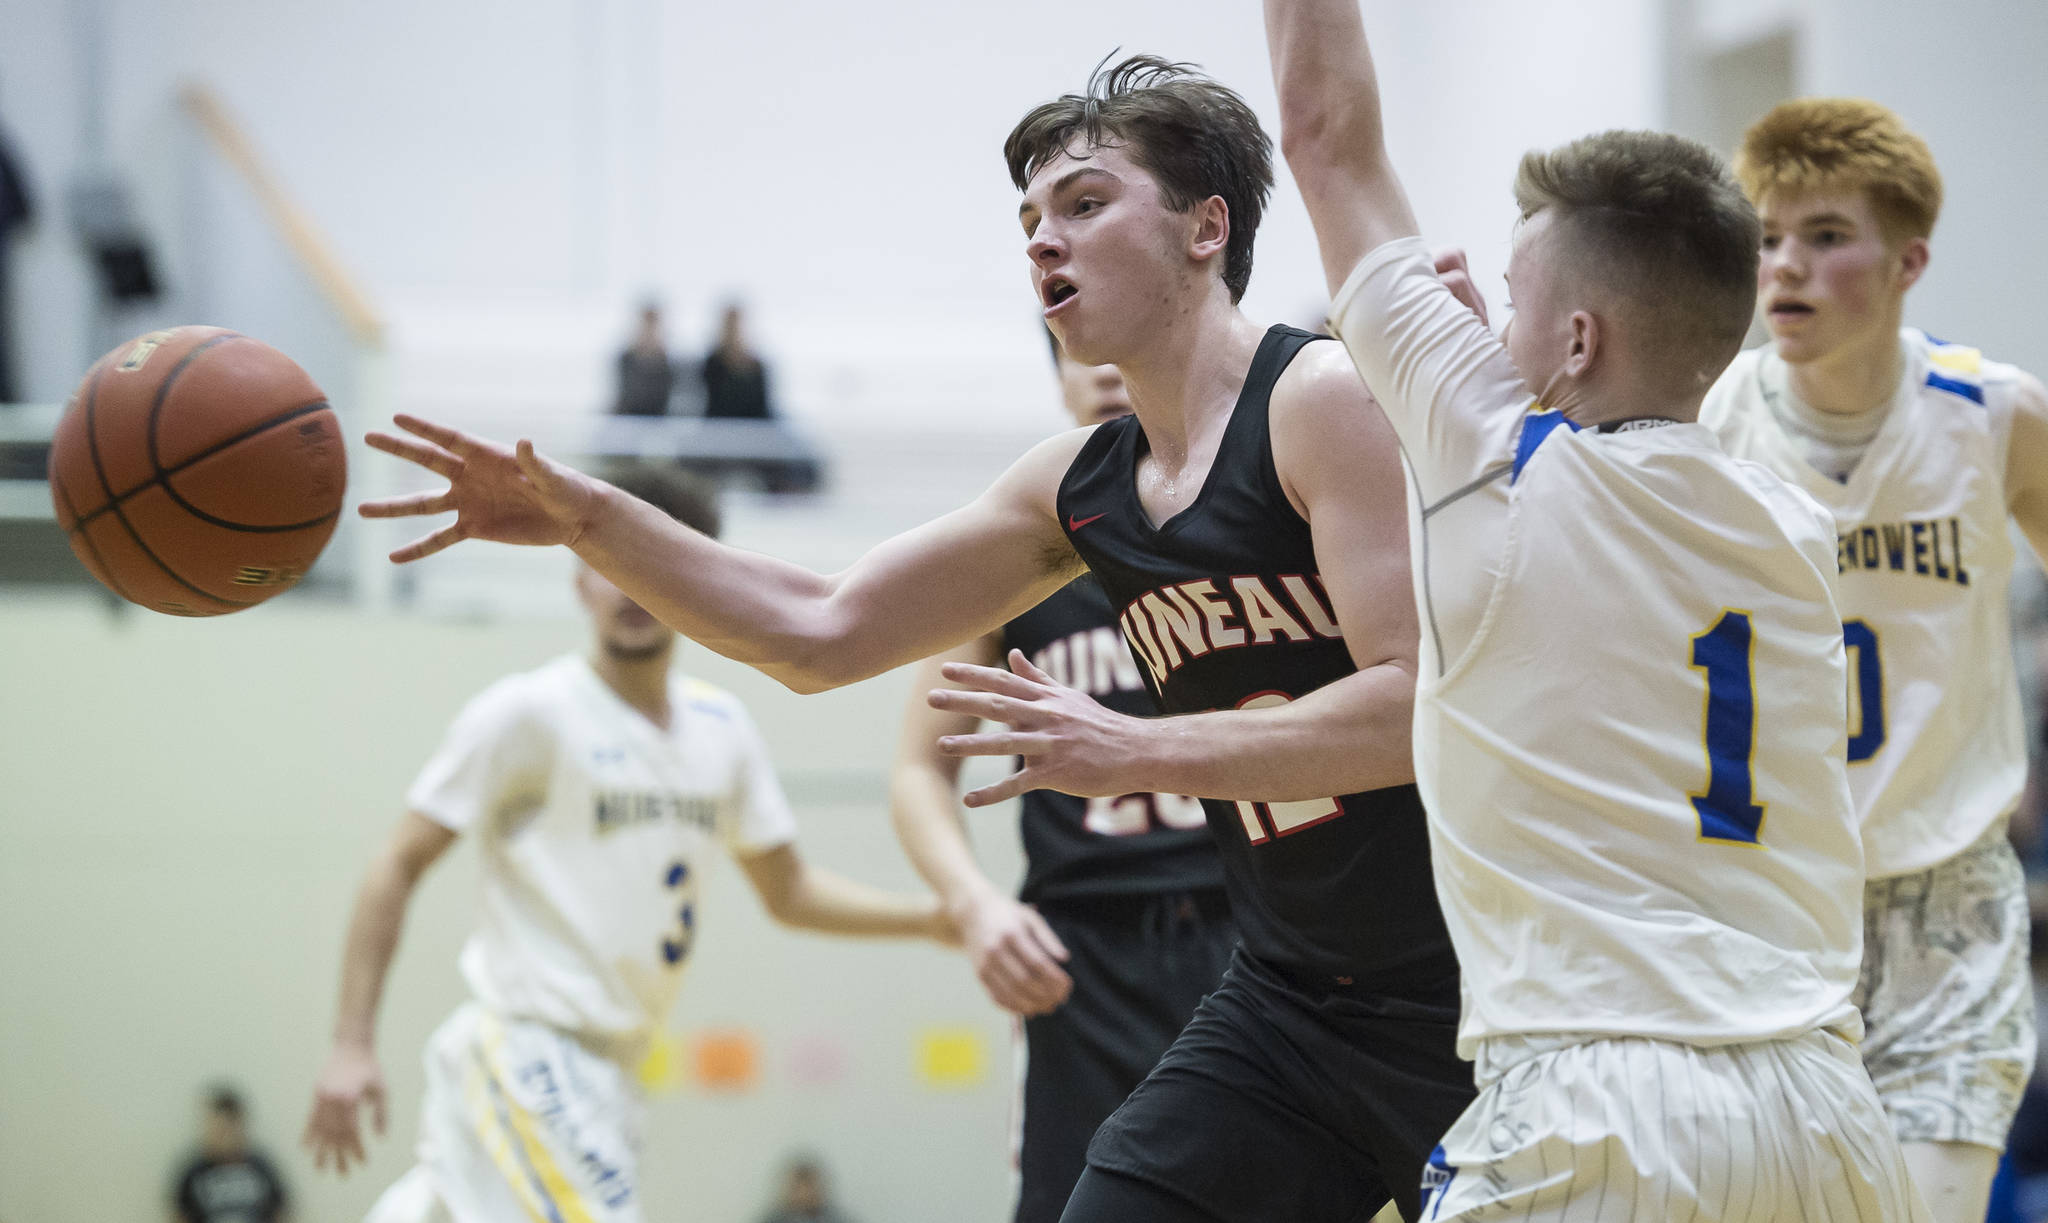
x=1924 y=451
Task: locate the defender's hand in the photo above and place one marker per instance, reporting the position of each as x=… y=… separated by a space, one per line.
x=1016 y=955
x=1457 y=277
x=350 y=1077
x=1069 y=741
x=509 y=496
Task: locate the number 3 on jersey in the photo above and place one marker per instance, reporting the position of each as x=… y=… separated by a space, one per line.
x=1264 y=821
x=675 y=943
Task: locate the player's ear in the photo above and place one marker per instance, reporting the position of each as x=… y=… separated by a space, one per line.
x=1913 y=257
x=1211 y=230
x=1585 y=344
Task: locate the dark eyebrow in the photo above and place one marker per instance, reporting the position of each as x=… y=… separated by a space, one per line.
x=1065 y=180
x=1829 y=218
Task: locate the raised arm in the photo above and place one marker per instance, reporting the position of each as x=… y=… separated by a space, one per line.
x=1338 y=459
x=352 y=1075
x=1015 y=953
x=2026 y=464
x=1331 y=132
x=945 y=582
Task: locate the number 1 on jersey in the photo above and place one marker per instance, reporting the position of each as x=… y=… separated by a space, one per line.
x=1728 y=810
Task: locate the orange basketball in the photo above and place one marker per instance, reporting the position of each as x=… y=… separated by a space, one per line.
x=197 y=471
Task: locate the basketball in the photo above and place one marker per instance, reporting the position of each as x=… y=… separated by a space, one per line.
x=196 y=471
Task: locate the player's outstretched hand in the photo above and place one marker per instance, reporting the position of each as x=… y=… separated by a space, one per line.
x=1070 y=742
x=511 y=496
x=350 y=1077
x=1016 y=955
x=1452 y=269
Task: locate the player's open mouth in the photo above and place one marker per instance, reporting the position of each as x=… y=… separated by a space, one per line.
x=1056 y=291
x=1789 y=311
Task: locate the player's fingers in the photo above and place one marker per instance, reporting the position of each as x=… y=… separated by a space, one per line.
x=1043 y=933
x=1009 y=787
x=1029 y=670
x=409 y=506
x=427 y=545
x=433 y=458
x=454 y=441
x=990 y=679
x=985 y=705
x=996 y=743
x=375 y=1092
x=1031 y=992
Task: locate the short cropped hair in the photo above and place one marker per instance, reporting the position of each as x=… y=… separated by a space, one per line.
x=226 y=1101
x=688 y=500
x=1196 y=136
x=1811 y=145
x=1658 y=220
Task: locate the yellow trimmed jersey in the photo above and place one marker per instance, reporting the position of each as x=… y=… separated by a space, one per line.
x=1629 y=714
x=1936 y=746
x=593 y=827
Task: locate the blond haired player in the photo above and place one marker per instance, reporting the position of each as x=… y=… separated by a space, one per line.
x=1923 y=450
x=1630 y=707
x=596 y=787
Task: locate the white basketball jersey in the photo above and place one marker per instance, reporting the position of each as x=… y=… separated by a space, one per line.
x=1936 y=748
x=1630 y=714
x=593 y=826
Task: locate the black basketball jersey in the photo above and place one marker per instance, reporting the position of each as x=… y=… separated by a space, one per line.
x=1080 y=847
x=1224 y=607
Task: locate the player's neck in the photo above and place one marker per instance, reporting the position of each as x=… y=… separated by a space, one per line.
x=641 y=682
x=1860 y=376
x=1189 y=375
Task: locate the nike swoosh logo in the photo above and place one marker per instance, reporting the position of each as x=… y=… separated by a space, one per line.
x=1075 y=524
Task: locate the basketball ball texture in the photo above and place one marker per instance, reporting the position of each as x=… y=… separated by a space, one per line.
x=197 y=471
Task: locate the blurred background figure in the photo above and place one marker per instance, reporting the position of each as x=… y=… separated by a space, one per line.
x=735 y=381
x=17 y=209
x=646 y=375
x=228 y=1181
x=806 y=1195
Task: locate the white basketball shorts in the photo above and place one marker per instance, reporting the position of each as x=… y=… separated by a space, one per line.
x=1948 y=1002
x=520 y=1122
x=1615 y=1130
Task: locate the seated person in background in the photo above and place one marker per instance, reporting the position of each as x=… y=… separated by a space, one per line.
x=805 y=1197
x=646 y=376
x=735 y=381
x=228 y=1181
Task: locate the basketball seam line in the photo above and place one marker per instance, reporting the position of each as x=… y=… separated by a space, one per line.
x=92 y=441
x=72 y=509
x=304 y=409
x=163 y=392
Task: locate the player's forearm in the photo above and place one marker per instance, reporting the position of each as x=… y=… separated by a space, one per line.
x=832 y=904
x=373 y=931
x=926 y=813
x=1347 y=737
x=755 y=609
x=1323 y=72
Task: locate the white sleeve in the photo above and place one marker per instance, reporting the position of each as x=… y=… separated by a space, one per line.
x=1443 y=379
x=496 y=750
x=761 y=819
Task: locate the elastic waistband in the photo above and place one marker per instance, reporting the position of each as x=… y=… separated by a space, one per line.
x=1497 y=1055
x=1431 y=994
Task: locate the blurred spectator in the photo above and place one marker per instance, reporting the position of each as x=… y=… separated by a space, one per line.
x=646 y=375
x=228 y=1181
x=805 y=1197
x=17 y=209
x=735 y=382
